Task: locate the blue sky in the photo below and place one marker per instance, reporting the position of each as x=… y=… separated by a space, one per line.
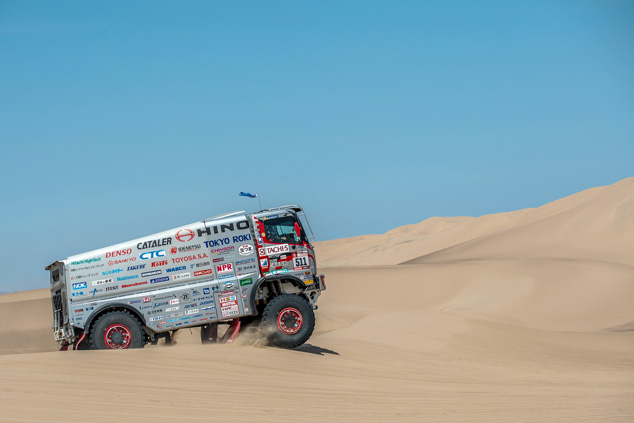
x=121 y=119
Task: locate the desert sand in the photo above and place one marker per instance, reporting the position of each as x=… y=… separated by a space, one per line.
x=526 y=316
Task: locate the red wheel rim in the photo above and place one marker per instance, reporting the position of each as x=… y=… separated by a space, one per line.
x=290 y=321
x=117 y=337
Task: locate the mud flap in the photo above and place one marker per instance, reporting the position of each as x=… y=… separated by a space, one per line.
x=76 y=344
x=231 y=333
x=209 y=333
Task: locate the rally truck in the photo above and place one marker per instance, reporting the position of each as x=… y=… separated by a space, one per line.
x=231 y=270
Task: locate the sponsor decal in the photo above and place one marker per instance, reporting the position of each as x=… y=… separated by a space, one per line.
x=224 y=268
x=174 y=301
x=179 y=276
x=167 y=310
x=176 y=314
x=134 y=301
x=206 y=291
x=171 y=320
x=79 y=310
x=127 y=278
x=102 y=281
x=130 y=285
x=152 y=254
x=245 y=282
x=154 y=243
x=241 y=238
x=137 y=267
x=308 y=281
x=190 y=258
x=161 y=304
x=125 y=260
x=185 y=318
x=217 y=242
x=145 y=307
x=218 y=260
x=192 y=311
x=242 y=225
x=147 y=299
x=203 y=264
x=274 y=249
x=191 y=305
x=78 y=294
x=184 y=235
x=80 y=285
x=176 y=269
x=225 y=276
x=85 y=261
x=276 y=272
x=163 y=297
x=264 y=262
x=229 y=306
x=207 y=308
x=239 y=262
x=118 y=253
x=155 y=319
x=246 y=249
x=94 y=266
x=86 y=276
x=245 y=268
x=188 y=248
x=151 y=273
x=111 y=288
x=223 y=250
x=204 y=272
x=159 y=263
x=159 y=280
x=205 y=302
x=185 y=297
x=110 y=272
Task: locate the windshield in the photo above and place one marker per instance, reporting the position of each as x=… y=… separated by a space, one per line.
x=281 y=231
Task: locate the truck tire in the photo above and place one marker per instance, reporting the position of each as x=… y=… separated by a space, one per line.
x=116 y=330
x=288 y=321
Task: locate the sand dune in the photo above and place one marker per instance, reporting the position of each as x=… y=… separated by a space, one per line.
x=523 y=316
x=596 y=224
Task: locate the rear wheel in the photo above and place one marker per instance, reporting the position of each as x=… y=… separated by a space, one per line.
x=288 y=321
x=116 y=330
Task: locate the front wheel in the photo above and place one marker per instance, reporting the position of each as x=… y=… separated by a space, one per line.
x=116 y=330
x=288 y=321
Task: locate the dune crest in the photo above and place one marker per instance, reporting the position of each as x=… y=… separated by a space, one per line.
x=595 y=224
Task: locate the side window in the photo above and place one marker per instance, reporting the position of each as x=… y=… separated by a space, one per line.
x=281 y=231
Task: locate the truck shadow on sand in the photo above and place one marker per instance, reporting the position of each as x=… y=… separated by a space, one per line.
x=313 y=349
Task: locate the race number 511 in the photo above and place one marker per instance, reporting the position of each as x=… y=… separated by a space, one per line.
x=301 y=261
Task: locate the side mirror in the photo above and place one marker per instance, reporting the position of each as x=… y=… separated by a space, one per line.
x=298 y=230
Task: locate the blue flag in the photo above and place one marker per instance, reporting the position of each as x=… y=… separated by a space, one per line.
x=246 y=194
